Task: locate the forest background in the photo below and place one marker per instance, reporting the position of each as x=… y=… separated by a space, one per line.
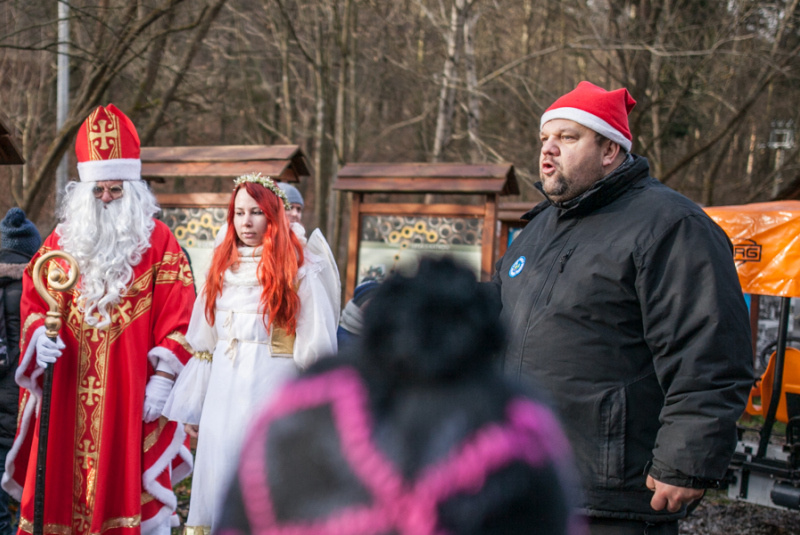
x=410 y=80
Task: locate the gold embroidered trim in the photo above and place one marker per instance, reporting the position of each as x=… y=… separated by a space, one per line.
x=147 y=498
x=196 y=530
x=121 y=522
x=49 y=529
x=112 y=523
x=172 y=268
x=282 y=343
x=30 y=320
x=43 y=250
x=177 y=336
x=172 y=258
x=152 y=438
x=182 y=275
x=25 y=395
x=203 y=355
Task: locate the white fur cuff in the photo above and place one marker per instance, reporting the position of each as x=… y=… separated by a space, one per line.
x=160 y=355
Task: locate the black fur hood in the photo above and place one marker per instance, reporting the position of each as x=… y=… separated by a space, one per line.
x=12 y=265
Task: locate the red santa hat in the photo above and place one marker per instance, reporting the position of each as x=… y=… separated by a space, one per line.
x=108 y=147
x=605 y=112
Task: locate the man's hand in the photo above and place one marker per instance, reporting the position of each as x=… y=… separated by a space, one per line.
x=48 y=351
x=155 y=396
x=670 y=496
x=192 y=430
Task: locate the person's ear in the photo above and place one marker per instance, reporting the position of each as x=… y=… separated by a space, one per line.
x=611 y=152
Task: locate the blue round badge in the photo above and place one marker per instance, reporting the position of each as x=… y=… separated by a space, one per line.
x=516 y=267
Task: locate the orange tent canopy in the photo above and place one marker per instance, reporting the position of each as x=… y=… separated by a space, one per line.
x=766 y=242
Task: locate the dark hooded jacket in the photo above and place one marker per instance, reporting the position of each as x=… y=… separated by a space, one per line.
x=12 y=265
x=625 y=305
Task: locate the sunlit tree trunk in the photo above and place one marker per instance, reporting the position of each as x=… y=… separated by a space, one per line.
x=447 y=92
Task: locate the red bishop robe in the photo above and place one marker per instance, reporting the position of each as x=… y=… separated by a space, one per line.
x=108 y=472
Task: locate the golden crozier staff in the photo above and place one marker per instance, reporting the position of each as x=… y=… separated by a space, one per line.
x=58 y=281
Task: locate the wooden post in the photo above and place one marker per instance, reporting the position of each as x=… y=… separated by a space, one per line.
x=352 y=253
x=487 y=246
x=503 y=240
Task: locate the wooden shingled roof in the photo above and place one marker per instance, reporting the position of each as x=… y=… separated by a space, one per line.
x=498 y=179
x=9 y=153
x=282 y=162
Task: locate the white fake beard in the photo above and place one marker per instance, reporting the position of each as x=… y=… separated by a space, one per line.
x=107 y=240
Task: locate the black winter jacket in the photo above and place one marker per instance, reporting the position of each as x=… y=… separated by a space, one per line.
x=625 y=305
x=12 y=264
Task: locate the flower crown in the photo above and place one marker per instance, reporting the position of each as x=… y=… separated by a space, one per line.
x=267 y=182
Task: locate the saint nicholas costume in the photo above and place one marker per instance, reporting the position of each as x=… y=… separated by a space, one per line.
x=108 y=471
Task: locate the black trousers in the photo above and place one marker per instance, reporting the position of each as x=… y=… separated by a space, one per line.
x=616 y=526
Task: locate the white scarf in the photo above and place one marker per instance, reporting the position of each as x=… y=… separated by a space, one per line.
x=247 y=272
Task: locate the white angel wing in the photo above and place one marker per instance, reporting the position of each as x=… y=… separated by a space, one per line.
x=318 y=245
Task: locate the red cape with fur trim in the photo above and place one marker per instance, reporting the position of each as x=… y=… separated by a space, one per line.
x=107 y=470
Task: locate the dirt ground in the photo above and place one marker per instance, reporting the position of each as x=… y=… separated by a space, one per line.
x=717 y=515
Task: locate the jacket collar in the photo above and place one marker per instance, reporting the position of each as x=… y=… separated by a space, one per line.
x=12 y=271
x=606 y=190
x=12 y=256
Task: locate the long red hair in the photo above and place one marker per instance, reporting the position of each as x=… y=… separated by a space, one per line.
x=281 y=257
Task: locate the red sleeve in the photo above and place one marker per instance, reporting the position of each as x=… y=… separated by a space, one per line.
x=173 y=299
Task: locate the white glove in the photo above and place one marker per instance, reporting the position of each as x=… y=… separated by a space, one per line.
x=48 y=351
x=155 y=396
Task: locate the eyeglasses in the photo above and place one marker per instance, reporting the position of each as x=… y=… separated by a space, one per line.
x=114 y=191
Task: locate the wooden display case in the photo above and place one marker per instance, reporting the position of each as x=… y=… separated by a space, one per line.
x=387 y=232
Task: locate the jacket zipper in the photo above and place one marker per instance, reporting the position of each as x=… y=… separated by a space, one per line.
x=566 y=239
x=562 y=263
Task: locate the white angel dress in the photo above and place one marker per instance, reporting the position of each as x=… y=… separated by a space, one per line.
x=237 y=366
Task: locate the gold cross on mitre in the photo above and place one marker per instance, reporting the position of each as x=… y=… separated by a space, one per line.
x=104 y=135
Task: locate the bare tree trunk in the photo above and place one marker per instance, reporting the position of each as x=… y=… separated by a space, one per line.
x=751 y=155
x=352 y=105
x=711 y=176
x=286 y=95
x=422 y=146
x=527 y=10
x=447 y=93
x=474 y=117
x=100 y=26
x=655 y=87
x=352 y=139
x=335 y=215
x=320 y=182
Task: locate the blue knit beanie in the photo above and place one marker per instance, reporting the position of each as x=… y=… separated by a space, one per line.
x=292 y=193
x=18 y=233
